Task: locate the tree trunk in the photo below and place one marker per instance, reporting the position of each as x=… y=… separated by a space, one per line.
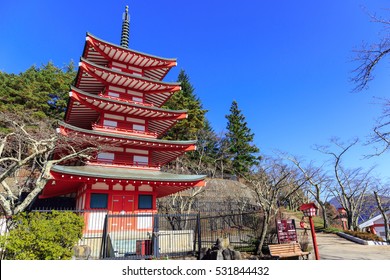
x=349 y=221
x=264 y=229
x=384 y=216
x=324 y=217
x=387 y=230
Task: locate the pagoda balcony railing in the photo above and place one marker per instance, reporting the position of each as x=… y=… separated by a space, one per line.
x=124 y=131
x=116 y=163
x=126 y=100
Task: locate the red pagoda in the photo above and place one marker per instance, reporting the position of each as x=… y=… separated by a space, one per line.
x=116 y=103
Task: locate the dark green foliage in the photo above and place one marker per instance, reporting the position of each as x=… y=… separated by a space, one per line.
x=241 y=149
x=43 y=92
x=364 y=235
x=186 y=99
x=43 y=236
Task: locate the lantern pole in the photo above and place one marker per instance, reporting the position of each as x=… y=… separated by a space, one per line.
x=313 y=236
x=309 y=210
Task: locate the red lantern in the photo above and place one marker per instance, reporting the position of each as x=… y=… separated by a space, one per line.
x=310 y=210
x=343 y=217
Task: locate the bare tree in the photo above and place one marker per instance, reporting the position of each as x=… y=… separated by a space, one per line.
x=26 y=158
x=319 y=185
x=351 y=185
x=269 y=184
x=178 y=203
x=368 y=57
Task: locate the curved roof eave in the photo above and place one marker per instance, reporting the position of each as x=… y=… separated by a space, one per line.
x=102 y=68
x=127 y=103
x=127 y=137
x=131 y=50
x=125 y=173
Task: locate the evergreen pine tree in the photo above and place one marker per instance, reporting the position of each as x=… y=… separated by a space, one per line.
x=41 y=92
x=186 y=99
x=241 y=149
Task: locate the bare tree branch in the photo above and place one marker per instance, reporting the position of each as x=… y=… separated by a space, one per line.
x=27 y=158
x=273 y=181
x=369 y=56
x=352 y=184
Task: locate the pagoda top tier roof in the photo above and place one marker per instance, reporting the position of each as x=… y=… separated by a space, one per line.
x=102 y=52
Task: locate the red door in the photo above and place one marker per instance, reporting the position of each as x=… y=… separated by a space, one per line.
x=122 y=205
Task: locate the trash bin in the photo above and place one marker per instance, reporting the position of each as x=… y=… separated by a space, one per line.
x=144 y=247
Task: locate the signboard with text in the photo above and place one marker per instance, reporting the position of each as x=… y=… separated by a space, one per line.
x=286 y=231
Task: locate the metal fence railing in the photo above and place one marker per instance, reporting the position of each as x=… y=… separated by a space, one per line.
x=241 y=229
x=148 y=235
x=141 y=236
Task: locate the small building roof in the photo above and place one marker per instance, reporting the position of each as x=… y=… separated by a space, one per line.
x=371 y=221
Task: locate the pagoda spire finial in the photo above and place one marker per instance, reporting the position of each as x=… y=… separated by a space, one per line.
x=125 y=28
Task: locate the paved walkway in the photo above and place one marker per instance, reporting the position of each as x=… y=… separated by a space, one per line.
x=334 y=247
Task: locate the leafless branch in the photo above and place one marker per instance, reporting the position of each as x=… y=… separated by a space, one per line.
x=369 y=56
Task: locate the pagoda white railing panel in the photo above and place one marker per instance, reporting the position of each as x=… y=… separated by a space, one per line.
x=132 y=164
x=136 y=102
x=130 y=132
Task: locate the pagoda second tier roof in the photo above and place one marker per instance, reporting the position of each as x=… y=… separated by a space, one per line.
x=85 y=109
x=93 y=78
x=69 y=178
x=102 y=52
x=160 y=151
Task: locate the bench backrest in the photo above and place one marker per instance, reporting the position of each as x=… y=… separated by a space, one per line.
x=276 y=249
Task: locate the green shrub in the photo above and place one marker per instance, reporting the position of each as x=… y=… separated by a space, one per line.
x=43 y=236
x=364 y=235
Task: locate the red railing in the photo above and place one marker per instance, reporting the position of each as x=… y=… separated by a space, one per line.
x=126 y=100
x=125 y=131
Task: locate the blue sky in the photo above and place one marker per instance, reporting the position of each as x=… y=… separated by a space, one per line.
x=286 y=63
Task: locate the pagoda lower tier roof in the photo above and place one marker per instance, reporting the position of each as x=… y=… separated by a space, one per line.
x=94 y=78
x=67 y=179
x=121 y=138
x=160 y=151
x=102 y=52
x=84 y=109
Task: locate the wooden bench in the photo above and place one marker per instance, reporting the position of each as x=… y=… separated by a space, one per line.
x=287 y=250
